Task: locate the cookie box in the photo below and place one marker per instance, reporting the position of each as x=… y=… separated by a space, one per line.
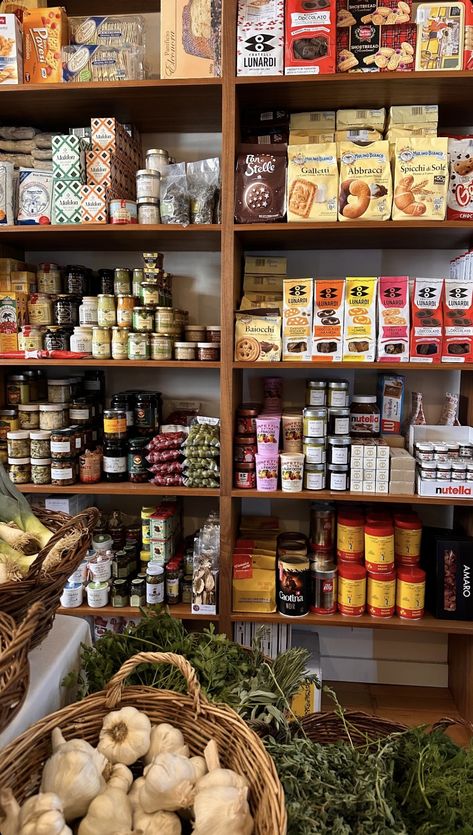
x=310 y=41
x=258 y=336
x=440 y=36
x=297 y=319
x=460 y=185
x=11 y=51
x=457 y=343
x=359 y=339
x=260 y=37
x=426 y=320
x=327 y=341
x=45 y=32
x=393 y=319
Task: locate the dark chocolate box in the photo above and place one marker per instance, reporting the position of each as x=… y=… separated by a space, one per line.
x=447 y=557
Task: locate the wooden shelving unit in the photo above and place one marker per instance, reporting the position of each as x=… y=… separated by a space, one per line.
x=203 y=105
x=124 y=488
x=180 y=610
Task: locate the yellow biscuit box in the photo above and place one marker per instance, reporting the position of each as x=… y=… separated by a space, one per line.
x=297 y=318
x=45 y=32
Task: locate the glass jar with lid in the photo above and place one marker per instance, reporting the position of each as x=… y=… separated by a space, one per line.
x=19 y=470
x=48 y=277
x=28 y=416
x=119 y=593
x=122 y=281
x=106 y=278
x=150 y=293
x=40 y=309
x=114 y=424
x=337 y=393
x=59 y=391
x=63 y=443
x=66 y=310
x=51 y=416
x=88 y=311
x=137 y=465
x=157 y=159
x=161 y=346
x=30 y=338
x=125 y=305
x=41 y=470
x=64 y=472
x=8 y=422
x=120 y=565
x=101 y=343
x=154 y=583
x=80 y=412
x=120 y=343
x=81 y=340
x=76 y=280
x=364 y=416
x=56 y=338
x=106 y=311
x=148 y=211
x=138 y=346
x=143 y=319
x=138 y=592
x=145 y=411
x=18 y=389
x=40 y=442
x=125 y=403
x=115 y=461
x=18 y=444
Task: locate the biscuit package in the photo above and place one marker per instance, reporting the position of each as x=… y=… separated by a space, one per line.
x=365 y=191
x=312 y=182
x=260 y=37
x=457 y=345
x=310 y=42
x=260 y=184
x=11 y=50
x=393 y=319
x=258 y=336
x=361 y=119
x=420 y=178
x=427 y=320
x=297 y=319
x=45 y=32
x=359 y=339
x=327 y=341
x=460 y=185
x=190 y=38
x=371 y=37
x=440 y=36
x=313 y=121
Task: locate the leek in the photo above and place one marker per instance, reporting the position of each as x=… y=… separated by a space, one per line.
x=14 y=536
x=13 y=564
x=14 y=508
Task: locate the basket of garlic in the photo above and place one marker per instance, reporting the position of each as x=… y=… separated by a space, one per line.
x=196 y=766
x=15 y=641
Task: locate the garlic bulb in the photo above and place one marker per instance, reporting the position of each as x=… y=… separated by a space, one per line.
x=169 y=783
x=166 y=739
x=134 y=793
x=74 y=773
x=9 y=823
x=125 y=735
x=221 y=777
x=159 y=823
x=222 y=811
x=200 y=766
x=42 y=815
x=111 y=808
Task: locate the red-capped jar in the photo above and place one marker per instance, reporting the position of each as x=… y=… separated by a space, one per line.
x=375 y=516
x=244 y=449
x=410 y=593
x=244 y=477
x=246 y=418
x=379 y=546
x=381 y=594
x=407 y=539
x=350 y=537
x=351 y=589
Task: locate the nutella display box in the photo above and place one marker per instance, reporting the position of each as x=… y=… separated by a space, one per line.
x=457 y=343
x=359 y=338
x=327 y=341
x=393 y=318
x=297 y=319
x=426 y=320
x=260 y=37
x=310 y=42
x=447 y=557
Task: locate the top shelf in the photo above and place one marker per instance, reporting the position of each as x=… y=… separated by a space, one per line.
x=452 y=91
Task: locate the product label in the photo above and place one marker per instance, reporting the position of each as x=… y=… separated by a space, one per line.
x=316 y=397
x=315 y=481
x=410 y=599
x=381 y=595
x=338 y=481
x=61 y=475
x=350 y=541
x=342 y=426
x=112 y=426
x=60 y=446
x=340 y=454
x=407 y=543
x=379 y=551
x=154 y=593
x=114 y=465
x=337 y=399
x=78 y=414
x=314 y=454
x=351 y=593
x=314 y=427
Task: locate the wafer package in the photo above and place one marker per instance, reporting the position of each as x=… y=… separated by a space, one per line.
x=393 y=319
x=327 y=340
x=457 y=344
x=427 y=320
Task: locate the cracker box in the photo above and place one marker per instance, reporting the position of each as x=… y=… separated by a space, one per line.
x=310 y=41
x=460 y=184
x=45 y=32
x=393 y=319
x=6 y=194
x=426 y=320
x=260 y=37
x=297 y=319
x=312 y=182
x=35 y=192
x=93 y=204
x=457 y=343
x=359 y=338
x=327 y=341
x=67 y=201
x=68 y=157
x=190 y=38
x=13 y=314
x=11 y=50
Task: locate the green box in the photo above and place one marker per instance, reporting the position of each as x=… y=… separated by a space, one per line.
x=66 y=201
x=69 y=157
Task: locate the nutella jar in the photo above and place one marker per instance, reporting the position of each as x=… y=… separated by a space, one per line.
x=364 y=416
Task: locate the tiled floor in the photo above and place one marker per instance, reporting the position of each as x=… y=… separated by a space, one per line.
x=407 y=705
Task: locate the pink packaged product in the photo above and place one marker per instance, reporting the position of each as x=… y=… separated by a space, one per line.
x=460 y=187
x=267 y=434
x=427 y=320
x=267 y=468
x=393 y=319
x=457 y=343
x=260 y=37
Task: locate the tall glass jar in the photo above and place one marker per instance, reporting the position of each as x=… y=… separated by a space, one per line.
x=120 y=343
x=101 y=343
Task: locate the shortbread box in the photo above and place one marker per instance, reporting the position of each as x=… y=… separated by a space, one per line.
x=93 y=204
x=6 y=194
x=35 y=191
x=67 y=201
x=260 y=37
x=68 y=157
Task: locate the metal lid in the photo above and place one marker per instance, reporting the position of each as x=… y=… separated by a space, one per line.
x=339 y=440
x=148 y=172
x=160 y=151
x=364 y=398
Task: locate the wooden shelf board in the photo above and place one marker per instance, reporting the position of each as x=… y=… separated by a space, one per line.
x=451 y=90
x=357 y=366
x=426 y=624
x=164 y=105
x=97 y=363
x=180 y=610
x=123 y=488
x=112 y=237
x=448 y=234
x=335 y=496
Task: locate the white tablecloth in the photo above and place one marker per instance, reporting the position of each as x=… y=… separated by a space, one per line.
x=58 y=654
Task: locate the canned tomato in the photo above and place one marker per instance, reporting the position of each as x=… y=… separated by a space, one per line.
x=410 y=593
x=350 y=537
x=351 y=589
x=293 y=586
x=407 y=539
x=123 y=211
x=324 y=590
x=106 y=314
x=381 y=594
x=379 y=546
x=125 y=305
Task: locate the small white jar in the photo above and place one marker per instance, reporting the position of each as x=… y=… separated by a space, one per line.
x=147 y=183
x=81 y=340
x=148 y=211
x=88 y=310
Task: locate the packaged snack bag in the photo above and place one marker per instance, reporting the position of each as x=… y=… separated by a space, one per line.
x=312 y=182
x=365 y=191
x=420 y=178
x=359 y=341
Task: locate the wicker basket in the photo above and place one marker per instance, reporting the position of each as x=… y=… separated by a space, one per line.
x=326 y=728
x=17 y=597
x=14 y=668
x=198 y=719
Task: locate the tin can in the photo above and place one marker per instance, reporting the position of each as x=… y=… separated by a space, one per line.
x=322 y=527
x=138 y=346
x=351 y=589
x=379 y=546
x=122 y=281
x=143 y=319
x=323 y=597
x=123 y=211
x=101 y=345
x=125 y=305
x=293 y=580
x=381 y=594
x=72 y=595
x=410 y=593
x=120 y=343
x=350 y=537
x=106 y=313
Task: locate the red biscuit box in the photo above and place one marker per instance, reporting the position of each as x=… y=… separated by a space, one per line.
x=426 y=320
x=367 y=57
x=310 y=42
x=457 y=343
